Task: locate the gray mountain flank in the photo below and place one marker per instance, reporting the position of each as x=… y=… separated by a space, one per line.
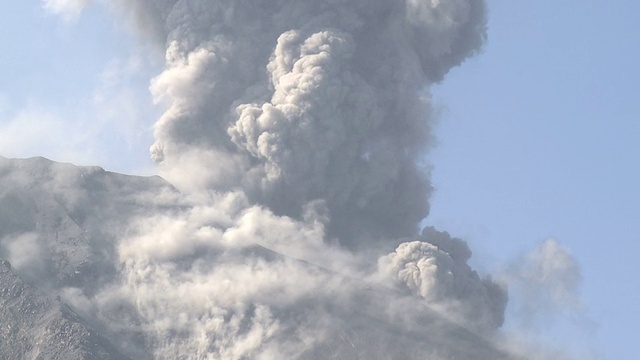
x=34 y=326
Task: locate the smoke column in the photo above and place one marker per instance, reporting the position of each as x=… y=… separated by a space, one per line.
x=298 y=101
x=294 y=132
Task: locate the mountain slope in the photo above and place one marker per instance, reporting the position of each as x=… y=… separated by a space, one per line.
x=62 y=220
x=33 y=326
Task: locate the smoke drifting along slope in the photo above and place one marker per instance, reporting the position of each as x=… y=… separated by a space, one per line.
x=294 y=130
x=166 y=286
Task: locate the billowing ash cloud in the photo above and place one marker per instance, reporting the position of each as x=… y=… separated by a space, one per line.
x=436 y=269
x=294 y=131
x=295 y=101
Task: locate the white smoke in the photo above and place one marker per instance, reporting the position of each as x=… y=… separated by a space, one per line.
x=553 y=269
x=293 y=130
x=547 y=282
x=545 y=287
x=24 y=251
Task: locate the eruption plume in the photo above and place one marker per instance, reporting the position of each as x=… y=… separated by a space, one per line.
x=294 y=132
x=299 y=101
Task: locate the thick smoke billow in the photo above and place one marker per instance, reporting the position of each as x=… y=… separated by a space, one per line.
x=296 y=101
x=294 y=131
x=436 y=269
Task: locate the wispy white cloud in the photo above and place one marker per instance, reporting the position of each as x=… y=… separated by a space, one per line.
x=32 y=129
x=122 y=106
x=69 y=10
x=112 y=128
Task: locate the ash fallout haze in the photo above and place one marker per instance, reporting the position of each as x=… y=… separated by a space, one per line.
x=291 y=139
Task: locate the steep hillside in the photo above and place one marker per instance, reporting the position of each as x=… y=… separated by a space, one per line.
x=33 y=326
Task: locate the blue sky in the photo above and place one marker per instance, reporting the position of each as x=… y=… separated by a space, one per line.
x=538 y=138
x=74 y=90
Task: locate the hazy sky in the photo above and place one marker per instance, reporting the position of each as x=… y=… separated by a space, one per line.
x=538 y=139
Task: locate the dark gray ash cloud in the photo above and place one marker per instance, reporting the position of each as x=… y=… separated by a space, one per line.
x=293 y=132
x=298 y=101
x=297 y=127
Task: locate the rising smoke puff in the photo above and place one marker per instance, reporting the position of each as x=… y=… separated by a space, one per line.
x=547 y=281
x=545 y=287
x=435 y=268
x=552 y=264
